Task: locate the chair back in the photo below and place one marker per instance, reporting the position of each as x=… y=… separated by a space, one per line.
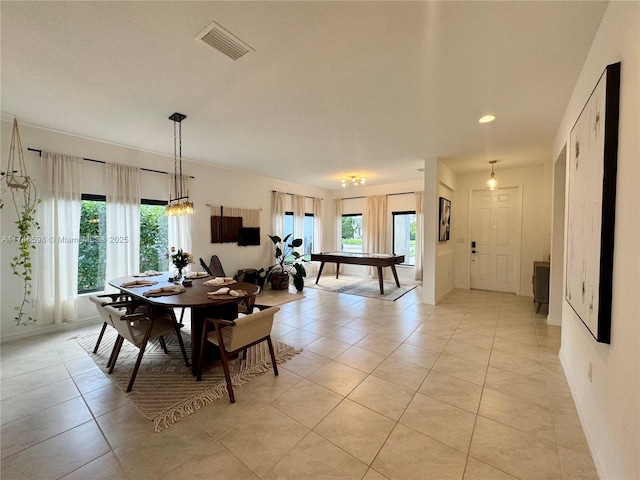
x=132 y=327
x=215 y=267
x=248 y=329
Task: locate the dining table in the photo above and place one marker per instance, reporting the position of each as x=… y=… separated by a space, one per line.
x=196 y=296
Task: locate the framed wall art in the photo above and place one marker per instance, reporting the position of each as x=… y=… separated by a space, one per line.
x=593 y=156
x=444 y=229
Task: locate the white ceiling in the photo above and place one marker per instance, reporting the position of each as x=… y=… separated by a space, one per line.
x=332 y=88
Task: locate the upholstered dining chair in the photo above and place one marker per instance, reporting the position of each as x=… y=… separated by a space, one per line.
x=233 y=336
x=246 y=305
x=139 y=328
x=113 y=299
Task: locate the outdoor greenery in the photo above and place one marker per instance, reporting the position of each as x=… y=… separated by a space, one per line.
x=93 y=248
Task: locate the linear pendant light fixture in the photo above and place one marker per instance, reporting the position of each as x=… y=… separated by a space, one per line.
x=492 y=183
x=180 y=204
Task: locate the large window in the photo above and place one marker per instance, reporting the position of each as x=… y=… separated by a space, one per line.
x=352 y=233
x=153 y=236
x=404 y=236
x=307 y=237
x=92 y=248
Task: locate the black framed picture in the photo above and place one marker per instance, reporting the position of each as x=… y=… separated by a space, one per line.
x=593 y=159
x=444 y=229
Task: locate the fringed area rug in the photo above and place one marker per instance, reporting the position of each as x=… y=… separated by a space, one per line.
x=363 y=287
x=165 y=392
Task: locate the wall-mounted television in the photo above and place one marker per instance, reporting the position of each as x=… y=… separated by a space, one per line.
x=248 y=236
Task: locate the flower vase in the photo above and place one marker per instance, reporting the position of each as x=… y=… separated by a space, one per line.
x=177 y=277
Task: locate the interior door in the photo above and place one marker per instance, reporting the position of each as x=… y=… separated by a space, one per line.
x=495 y=239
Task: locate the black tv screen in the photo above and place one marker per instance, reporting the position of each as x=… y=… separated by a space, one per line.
x=248 y=236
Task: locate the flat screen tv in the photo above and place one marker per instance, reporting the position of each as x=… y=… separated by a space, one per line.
x=248 y=236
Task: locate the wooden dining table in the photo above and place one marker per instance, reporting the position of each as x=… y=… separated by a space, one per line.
x=194 y=297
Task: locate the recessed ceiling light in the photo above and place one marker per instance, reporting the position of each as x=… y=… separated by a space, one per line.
x=487 y=119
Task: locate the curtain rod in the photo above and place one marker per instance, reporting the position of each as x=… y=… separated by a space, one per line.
x=365 y=196
x=102 y=161
x=287 y=193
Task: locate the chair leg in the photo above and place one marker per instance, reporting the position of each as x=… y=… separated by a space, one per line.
x=181 y=316
x=163 y=344
x=273 y=356
x=115 y=353
x=225 y=365
x=104 y=327
x=135 y=369
x=184 y=352
x=203 y=344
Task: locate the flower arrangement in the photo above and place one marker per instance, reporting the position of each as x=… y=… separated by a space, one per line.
x=180 y=258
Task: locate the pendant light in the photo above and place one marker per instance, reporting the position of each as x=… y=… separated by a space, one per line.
x=180 y=204
x=492 y=183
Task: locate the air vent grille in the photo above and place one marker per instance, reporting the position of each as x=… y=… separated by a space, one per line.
x=222 y=40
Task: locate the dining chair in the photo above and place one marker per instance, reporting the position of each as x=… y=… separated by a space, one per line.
x=233 y=336
x=138 y=329
x=247 y=303
x=107 y=299
x=214 y=268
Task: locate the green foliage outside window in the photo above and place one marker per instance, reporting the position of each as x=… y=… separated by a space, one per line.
x=92 y=251
x=153 y=238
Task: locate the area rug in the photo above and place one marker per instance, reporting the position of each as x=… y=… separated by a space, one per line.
x=273 y=298
x=165 y=392
x=362 y=287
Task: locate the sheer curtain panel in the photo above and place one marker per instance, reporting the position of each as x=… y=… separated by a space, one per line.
x=374 y=224
x=123 y=220
x=59 y=218
x=279 y=210
x=338 y=203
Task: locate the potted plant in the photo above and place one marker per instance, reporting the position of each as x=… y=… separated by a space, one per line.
x=278 y=274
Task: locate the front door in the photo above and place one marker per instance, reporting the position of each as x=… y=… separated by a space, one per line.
x=495 y=239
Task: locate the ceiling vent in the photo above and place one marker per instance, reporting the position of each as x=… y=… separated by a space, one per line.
x=222 y=40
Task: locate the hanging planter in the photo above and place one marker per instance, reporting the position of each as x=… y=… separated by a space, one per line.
x=24 y=197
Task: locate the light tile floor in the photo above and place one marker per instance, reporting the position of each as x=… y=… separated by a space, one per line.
x=469 y=389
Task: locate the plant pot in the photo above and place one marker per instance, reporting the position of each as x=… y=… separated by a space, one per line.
x=298 y=282
x=279 y=282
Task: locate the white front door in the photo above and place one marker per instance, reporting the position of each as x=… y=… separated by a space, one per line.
x=495 y=239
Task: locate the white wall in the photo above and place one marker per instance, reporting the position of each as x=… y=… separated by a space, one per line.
x=445 y=251
x=535 y=183
x=609 y=407
x=212 y=185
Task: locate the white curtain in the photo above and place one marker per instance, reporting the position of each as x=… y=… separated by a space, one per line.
x=338 y=202
x=123 y=220
x=312 y=267
x=298 y=219
x=419 y=235
x=59 y=219
x=179 y=227
x=374 y=224
x=279 y=210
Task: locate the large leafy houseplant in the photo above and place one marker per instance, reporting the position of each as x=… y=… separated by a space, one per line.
x=288 y=263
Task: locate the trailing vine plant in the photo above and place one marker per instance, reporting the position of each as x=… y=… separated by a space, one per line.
x=25 y=199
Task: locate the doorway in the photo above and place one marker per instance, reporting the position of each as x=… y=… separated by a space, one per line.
x=495 y=239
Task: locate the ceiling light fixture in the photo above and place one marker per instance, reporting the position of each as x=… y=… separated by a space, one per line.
x=353 y=181
x=492 y=183
x=487 y=119
x=180 y=204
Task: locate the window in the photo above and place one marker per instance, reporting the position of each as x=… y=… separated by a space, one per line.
x=404 y=236
x=307 y=237
x=352 y=233
x=92 y=248
x=153 y=236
